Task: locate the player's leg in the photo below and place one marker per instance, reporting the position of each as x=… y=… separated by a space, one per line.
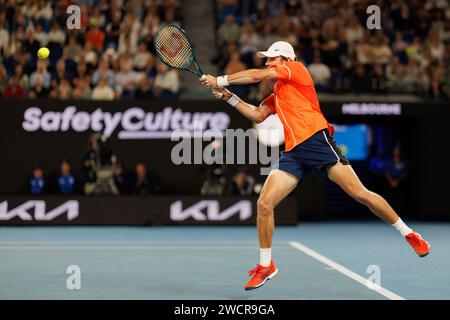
x=277 y=186
x=346 y=178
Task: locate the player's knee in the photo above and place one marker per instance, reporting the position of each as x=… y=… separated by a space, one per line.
x=362 y=195
x=265 y=209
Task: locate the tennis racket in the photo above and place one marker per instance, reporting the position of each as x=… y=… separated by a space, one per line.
x=173 y=47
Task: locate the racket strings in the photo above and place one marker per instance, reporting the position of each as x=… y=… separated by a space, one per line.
x=173 y=47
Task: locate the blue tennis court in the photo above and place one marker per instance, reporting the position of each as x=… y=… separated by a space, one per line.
x=329 y=260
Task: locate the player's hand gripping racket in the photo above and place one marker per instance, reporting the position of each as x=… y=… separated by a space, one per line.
x=174 y=48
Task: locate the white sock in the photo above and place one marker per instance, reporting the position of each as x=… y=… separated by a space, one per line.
x=402 y=227
x=265 y=255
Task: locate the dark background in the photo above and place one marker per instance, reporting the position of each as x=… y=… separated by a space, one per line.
x=423 y=129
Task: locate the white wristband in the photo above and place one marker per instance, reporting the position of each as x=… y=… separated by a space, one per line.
x=222 y=81
x=234 y=100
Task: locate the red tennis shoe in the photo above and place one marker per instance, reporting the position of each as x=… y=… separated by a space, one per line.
x=419 y=245
x=261 y=275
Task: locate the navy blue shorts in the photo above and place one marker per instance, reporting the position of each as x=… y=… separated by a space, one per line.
x=315 y=153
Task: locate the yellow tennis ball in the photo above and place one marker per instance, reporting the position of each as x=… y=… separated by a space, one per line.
x=43 y=53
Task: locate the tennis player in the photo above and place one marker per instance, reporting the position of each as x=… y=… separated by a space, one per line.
x=309 y=146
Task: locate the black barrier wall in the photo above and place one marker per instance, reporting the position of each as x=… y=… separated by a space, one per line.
x=129 y=210
x=45 y=131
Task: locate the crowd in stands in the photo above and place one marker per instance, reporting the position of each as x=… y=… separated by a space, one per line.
x=409 y=54
x=110 y=57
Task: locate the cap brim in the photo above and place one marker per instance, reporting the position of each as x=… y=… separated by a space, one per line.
x=262 y=54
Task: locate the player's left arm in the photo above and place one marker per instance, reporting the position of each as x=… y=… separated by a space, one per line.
x=242 y=77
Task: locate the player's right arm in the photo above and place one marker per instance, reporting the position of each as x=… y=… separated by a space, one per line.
x=251 y=112
x=242 y=77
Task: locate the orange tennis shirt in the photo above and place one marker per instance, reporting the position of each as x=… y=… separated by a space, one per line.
x=295 y=101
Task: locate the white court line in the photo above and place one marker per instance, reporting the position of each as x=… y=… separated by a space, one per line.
x=142 y=242
x=129 y=247
x=365 y=282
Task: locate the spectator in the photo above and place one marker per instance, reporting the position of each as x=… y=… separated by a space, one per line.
x=437 y=91
x=41 y=35
x=353 y=30
x=396 y=169
x=15 y=90
x=95 y=37
x=435 y=46
x=144 y=89
x=242 y=183
x=119 y=178
x=98 y=164
x=82 y=72
x=249 y=43
x=379 y=51
x=417 y=49
x=96 y=18
x=399 y=44
x=103 y=70
x=91 y=158
x=267 y=37
x=396 y=173
x=150 y=68
x=66 y=179
x=31 y=45
x=127 y=41
x=21 y=76
x=215 y=183
x=362 y=51
x=378 y=80
x=89 y=54
x=72 y=50
x=141 y=58
x=235 y=65
x=40 y=80
x=167 y=84
x=82 y=90
x=402 y=80
x=56 y=35
x=320 y=73
x=64 y=90
x=37 y=182
x=103 y=91
x=4 y=38
x=127 y=79
x=226 y=8
x=113 y=31
x=3 y=78
x=14 y=46
x=228 y=32
x=141 y=183
x=418 y=73
x=60 y=72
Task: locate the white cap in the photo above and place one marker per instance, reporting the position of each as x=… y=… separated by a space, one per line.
x=279 y=48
